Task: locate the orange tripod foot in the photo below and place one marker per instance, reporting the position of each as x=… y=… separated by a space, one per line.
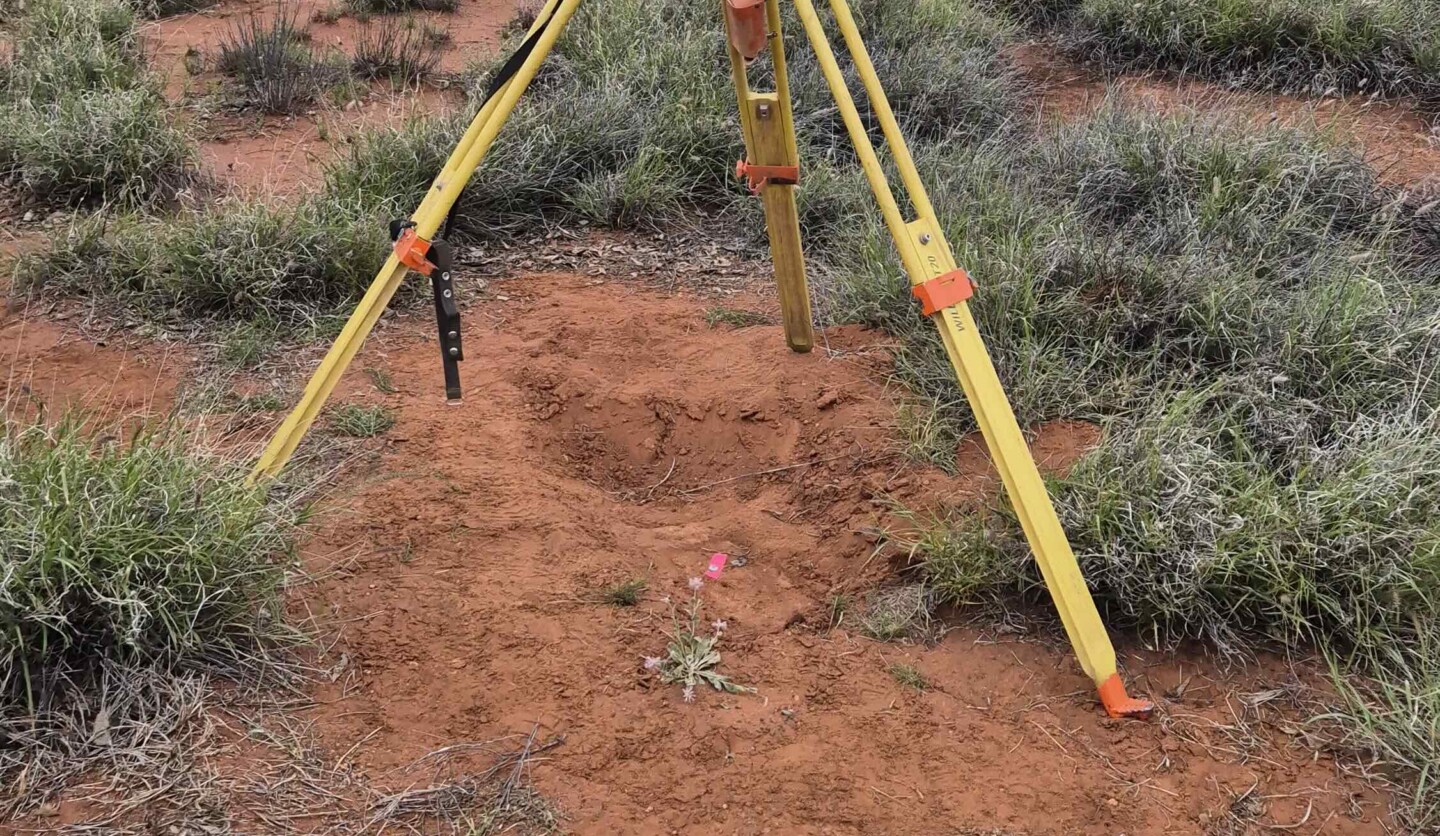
x=1120 y=704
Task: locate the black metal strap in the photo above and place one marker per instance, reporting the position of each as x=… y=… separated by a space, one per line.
x=506 y=72
x=447 y=316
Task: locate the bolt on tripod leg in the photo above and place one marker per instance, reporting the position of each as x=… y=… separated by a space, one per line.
x=770 y=147
x=411 y=248
x=943 y=289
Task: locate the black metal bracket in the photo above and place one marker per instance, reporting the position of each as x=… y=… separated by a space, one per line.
x=447 y=316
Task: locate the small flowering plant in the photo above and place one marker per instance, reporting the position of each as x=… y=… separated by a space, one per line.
x=691 y=657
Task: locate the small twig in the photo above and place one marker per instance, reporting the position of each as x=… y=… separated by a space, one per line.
x=753 y=474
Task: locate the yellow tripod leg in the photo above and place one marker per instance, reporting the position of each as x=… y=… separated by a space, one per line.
x=769 y=129
x=926 y=256
x=427 y=219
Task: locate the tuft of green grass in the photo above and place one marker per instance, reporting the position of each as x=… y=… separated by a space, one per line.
x=137 y=550
x=270 y=55
x=381 y=380
x=61 y=47
x=898 y=613
x=836 y=608
x=624 y=593
x=359 y=421
x=1395 y=716
x=1390 y=47
x=328 y=14
x=233 y=262
x=405 y=52
x=246 y=343
x=735 y=317
x=81 y=119
x=119 y=147
x=908 y=676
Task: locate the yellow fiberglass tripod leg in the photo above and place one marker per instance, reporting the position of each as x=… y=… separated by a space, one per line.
x=411 y=247
x=943 y=288
x=771 y=164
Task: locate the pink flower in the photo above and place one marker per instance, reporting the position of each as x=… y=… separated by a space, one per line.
x=719 y=625
x=695 y=584
x=653 y=662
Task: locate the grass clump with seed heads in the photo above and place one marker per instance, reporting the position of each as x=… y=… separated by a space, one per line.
x=138 y=551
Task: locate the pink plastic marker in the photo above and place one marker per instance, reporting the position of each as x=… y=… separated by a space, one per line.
x=717 y=565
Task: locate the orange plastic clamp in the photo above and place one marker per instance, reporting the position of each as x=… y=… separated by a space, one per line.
x=410 y=248
x=758 y=176
x=747 y=27
x=941 y=292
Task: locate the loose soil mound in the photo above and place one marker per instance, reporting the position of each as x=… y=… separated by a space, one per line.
x=609 y=434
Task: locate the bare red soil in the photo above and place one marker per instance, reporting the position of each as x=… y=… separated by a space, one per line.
x=609 y=434
x=283 y=155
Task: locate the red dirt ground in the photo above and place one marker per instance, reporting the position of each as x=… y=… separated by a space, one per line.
x=281 y=155
x=609 y=434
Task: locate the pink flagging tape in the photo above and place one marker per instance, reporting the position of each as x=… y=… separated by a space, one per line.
x=717 y=565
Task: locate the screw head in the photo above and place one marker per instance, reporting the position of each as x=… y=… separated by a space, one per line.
x=763 y=110
x=454 y=334
x=444 y=277
x=454 y=351
x=446 y=293
x=925 y=239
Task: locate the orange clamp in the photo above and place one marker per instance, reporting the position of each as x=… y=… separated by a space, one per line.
x=1120 y=704
x=759 y=176
x=941 y=292
x=411 y=249
x=746 y=19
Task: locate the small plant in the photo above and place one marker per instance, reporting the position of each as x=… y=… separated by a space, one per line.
x=274 y=63
x=406 y=52
x=735 y=317
x=328 y=15
x=624 y=593
x=838 y=606
x=268 y=401
x=380 y=379
x=901 y=612
x=909 y=676
x=247 y=343
x=691 y=658
x=359 y=421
